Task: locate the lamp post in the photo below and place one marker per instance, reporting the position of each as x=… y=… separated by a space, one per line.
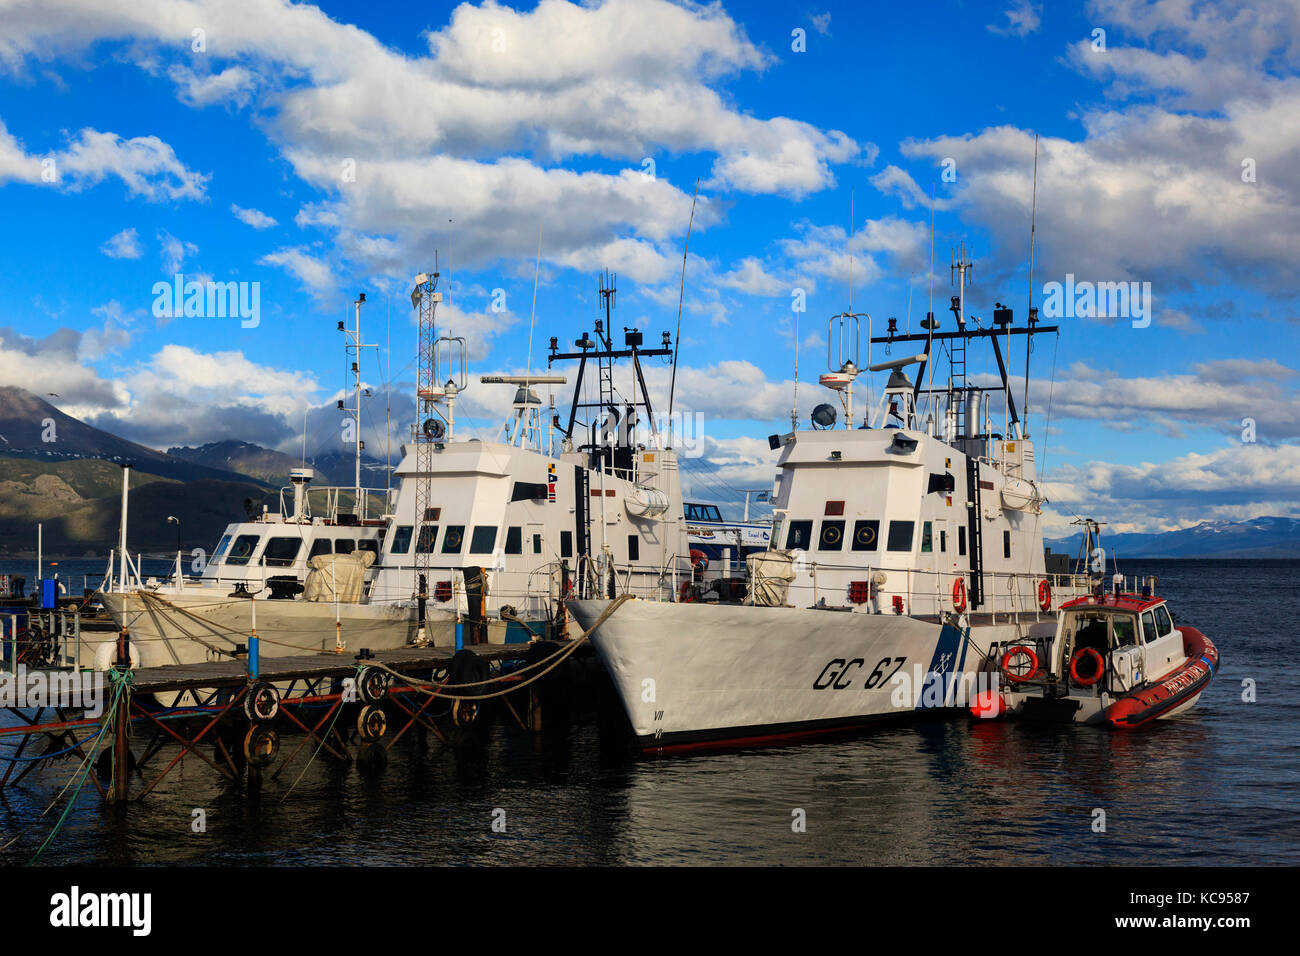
x=172 y=519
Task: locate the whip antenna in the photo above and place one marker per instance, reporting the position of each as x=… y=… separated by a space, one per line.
x=681 y=296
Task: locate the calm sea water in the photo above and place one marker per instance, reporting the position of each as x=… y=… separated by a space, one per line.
x=1217 y=786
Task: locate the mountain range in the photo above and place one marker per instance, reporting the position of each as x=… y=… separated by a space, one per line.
x=66 y=475
x=1270 y=536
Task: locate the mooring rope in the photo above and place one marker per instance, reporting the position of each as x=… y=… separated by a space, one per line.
x=554 y=660
x=213 y=625
x=122 y=682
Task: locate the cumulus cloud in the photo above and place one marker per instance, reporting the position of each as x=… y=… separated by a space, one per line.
x=313 y=272
x=174 y=252
x=1231 y=483
x=253 y=217
x=55 y=364
x=146 y=165
x=1023 y=18
x=1185 y=180
x=383 y=133
x=123 y=245
x=1214 y=395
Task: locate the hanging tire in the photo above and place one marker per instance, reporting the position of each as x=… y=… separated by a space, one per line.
x=261 y=745
x=464 y=712
x=261 y=702
x=372 y=685
x=372 y=722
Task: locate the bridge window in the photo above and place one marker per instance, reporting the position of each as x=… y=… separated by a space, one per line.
x=242 y=550
x=428 y=535
x=1148 y=627
x=320 y=546
x=1006 y=544
x=900 y=535
x=221 y=549
x=866 y=535
x=1164 y=624
x=529 y=491
x=943 y=541
x=282 y=552
x=800 y=536
x=453 y=539
x=369 y=544
x=634 y=547
x=832 y=536
x=401 y=543
x=961 y=541
x=566 y=544
x=484 y=540
x=514 y=540
x=927 y=538
x=345 y=546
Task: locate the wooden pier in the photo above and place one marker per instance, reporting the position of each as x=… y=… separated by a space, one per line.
x=238 y=710
x=311 y=667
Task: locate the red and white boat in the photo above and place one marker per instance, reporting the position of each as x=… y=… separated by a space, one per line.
x=1116 y=659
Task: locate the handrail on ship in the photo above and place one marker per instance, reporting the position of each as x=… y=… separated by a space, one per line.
x=333 y=498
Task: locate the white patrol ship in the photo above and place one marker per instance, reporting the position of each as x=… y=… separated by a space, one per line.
x=910 y=558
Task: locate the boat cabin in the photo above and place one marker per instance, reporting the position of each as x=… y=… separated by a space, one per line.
x=1115 y=642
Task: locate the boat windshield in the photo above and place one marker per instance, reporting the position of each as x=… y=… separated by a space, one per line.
x=221 y=549
x=698 y=512
x=1100 y=629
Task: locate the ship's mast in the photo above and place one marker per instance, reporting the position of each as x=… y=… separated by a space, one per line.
x=353 y=349
x=428 y=430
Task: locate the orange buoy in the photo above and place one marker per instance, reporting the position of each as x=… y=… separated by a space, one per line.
x=988 y=705
x=1019 y=651
x=1099 y=665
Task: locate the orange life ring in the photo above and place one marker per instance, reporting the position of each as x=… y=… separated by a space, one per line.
x=1044 y=595
x=959 y=595
x=1079 y=655
x=1014 y=652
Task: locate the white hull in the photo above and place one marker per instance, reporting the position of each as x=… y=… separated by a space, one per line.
x=695 y=674
x=197 y=625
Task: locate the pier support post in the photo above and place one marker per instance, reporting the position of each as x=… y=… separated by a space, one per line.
x=534 y=710
x=122 y=721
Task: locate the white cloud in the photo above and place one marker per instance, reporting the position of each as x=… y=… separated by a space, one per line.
x=315 y=274
x=123 y=245
x=620 y=80
x=898 y=182
x=1023 y=18
x=253 y=217
x=174 y=252
x=146 y=165
x=1187 y=184
x=751 y=277
x=1231 y=483
x=234 y=85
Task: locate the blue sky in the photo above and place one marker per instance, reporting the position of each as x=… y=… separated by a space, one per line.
x=1166 y=156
